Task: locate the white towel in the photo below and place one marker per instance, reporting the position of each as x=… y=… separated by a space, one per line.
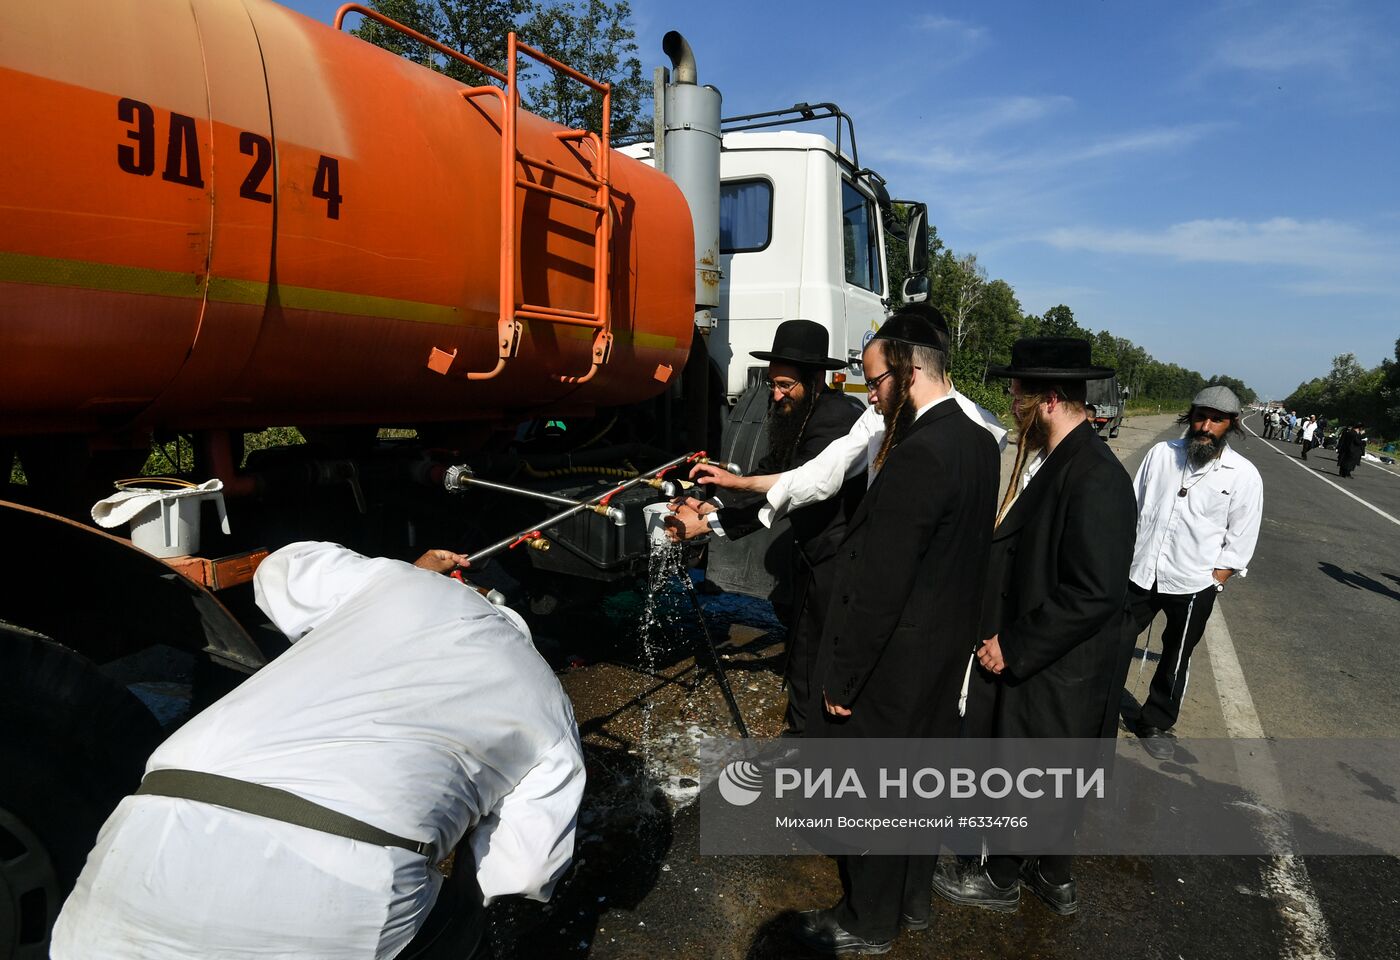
x=124 y=505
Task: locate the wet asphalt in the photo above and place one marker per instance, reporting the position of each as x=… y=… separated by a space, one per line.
x=1315 y=625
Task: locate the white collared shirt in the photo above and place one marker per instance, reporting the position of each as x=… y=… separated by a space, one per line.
x=1180 y=540
x=819 y=478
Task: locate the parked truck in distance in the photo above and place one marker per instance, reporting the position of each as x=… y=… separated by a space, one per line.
x=1106 y=401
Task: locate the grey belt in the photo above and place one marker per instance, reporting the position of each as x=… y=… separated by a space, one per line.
x=274 y=804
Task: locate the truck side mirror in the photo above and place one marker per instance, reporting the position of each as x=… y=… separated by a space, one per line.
x=916 y=288
x=918 y=242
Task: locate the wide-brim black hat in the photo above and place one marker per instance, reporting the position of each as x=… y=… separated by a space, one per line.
x=1051 y=358
x=800 y=342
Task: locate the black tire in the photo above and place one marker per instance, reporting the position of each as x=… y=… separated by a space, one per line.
x=72 y=744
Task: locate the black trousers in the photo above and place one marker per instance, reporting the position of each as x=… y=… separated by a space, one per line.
x=1187 y=614
x=813 y=585
x=876 y=889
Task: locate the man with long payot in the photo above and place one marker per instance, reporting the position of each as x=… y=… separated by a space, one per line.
x=805 y=416
x=1054 y=648
x=905 y=609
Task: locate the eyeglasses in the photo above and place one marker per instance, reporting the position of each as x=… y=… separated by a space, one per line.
x=782 y=386
x=873 y=383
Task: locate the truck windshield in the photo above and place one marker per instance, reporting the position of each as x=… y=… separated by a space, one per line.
x=860 y=239
x=745 y=215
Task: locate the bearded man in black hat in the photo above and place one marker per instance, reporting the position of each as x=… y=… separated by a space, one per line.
x=804 y=417
x=904 y=612
x=1056 y=646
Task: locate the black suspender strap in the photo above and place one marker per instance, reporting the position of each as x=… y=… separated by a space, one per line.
x=274 y=804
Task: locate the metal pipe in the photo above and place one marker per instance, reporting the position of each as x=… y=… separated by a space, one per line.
x=682 y=58
x=533 y=533
x=459 y=477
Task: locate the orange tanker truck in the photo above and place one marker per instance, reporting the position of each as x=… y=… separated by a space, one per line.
x=218 y=216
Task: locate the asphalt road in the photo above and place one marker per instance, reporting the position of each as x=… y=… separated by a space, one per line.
x=1303 y=647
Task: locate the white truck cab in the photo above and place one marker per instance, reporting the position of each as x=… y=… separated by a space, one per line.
x=800 y=236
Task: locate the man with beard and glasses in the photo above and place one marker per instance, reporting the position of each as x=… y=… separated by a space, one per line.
x=1199 y=507
x=904 y=609
x=1055 y=650
x=804 y=417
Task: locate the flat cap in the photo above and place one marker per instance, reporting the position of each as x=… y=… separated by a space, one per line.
x=1218 y=398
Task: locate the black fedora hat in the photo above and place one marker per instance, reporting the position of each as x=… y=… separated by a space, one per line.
x=1051 y=358
x=800 y=342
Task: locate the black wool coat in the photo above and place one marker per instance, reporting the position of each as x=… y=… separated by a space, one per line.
x=817 y=528
x=1057 y=585
x=904 y=613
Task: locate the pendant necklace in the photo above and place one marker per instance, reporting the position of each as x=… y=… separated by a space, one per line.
x=1187 y=486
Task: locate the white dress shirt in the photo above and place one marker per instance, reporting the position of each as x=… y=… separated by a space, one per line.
x=407 y=701
x=821 y=477
x=1181 y=540
x=1309 y=429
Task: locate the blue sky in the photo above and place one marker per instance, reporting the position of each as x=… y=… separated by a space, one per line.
x=1219 y=182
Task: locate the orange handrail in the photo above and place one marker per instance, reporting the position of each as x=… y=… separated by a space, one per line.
x=441 y=48
x=508 y=327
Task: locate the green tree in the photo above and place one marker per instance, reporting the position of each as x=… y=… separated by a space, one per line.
x=596 y=38
x=592 y=36
x=1059 y=322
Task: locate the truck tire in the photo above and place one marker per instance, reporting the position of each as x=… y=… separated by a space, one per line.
x=72 y=744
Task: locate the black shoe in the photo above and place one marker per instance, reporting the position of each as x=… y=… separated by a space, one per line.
x=819 y=930
x=1157 y=742
x=912 y=923
x=1061 y=898
x=970 y=886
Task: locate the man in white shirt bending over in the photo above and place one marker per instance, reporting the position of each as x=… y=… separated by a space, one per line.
x=314 y=811
x=1199 y=507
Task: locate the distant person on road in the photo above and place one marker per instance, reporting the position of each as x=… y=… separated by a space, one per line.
x=1351 y=447
x=1291 y=426
x=315 y=810
x=1054 y=650
x=1199 y=508
x=1309 y=434
x=805 y=416
x=1270 y=423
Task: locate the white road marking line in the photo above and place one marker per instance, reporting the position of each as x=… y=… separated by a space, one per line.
x=1319 y=476
x=1285 y=876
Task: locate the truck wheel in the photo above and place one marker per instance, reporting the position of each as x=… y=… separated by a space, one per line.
x=72 y=744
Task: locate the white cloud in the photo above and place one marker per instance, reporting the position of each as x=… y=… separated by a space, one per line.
x=1317 y=38
x=1349 y=253
x=960 y=28
x=948 y=156
x=956 y=40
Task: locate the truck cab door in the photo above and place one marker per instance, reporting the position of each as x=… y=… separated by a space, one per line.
x=863 y=256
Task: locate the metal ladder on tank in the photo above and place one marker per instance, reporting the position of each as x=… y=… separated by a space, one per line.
x=508 y=325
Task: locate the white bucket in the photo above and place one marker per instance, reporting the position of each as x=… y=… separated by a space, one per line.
x=656 y=514
x=169 y=527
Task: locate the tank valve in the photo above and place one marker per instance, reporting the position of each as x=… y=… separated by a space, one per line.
x=453 y=477
x=733 y=468
x=537 y=543
x=616 y=514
